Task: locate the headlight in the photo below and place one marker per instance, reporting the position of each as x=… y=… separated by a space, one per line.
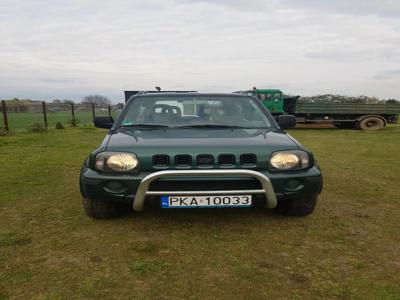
x=116 y=161
x=289 y=160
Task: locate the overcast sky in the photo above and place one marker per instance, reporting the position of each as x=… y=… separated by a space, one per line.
x=67 y=49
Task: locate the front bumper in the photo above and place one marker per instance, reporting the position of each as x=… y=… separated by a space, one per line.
x=267 y=188
x=134 y=188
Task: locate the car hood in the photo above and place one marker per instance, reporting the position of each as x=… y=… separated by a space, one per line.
x=149 y=142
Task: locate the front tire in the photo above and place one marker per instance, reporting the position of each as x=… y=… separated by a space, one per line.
x=101 y=209
x=297 y=207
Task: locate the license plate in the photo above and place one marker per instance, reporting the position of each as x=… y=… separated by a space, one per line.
x=205 y=201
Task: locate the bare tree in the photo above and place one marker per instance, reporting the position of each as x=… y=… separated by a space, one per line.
x=68 y=101
x=96 y=100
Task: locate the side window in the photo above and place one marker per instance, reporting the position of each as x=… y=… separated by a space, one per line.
x=277 y=96
x=264 y=97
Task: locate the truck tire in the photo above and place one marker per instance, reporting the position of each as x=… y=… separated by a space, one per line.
x=344 y=125
x=101 y=209
x=371 y=123
x=297 y=207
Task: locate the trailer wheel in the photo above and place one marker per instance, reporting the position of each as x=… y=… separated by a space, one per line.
x=371 y=123
x=344 y=125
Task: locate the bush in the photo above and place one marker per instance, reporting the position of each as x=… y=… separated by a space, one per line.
x=59 y=125
x=37 y=127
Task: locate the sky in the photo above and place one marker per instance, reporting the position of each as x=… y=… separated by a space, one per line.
x=67 y=49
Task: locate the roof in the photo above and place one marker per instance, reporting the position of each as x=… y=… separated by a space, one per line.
x=129 y=94
x=161 y=94
x=268 y=90
x=190 y=94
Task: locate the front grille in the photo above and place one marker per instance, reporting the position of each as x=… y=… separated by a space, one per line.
x=183 y=160
x=248 y=159
x=226 y=160
x=205 y=160
x=161 y=161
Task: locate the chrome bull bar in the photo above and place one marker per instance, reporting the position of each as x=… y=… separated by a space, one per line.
x=267 y=188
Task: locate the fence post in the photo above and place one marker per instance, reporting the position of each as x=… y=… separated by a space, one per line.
x=109 y=111
x=93 y=112
x=5 y=119
x=73 y=114
x=44 y=114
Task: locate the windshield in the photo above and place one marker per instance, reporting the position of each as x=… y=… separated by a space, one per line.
x=195 y=111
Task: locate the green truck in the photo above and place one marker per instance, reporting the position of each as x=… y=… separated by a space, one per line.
x=342 y=115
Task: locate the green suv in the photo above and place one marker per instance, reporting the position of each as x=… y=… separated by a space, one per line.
x=195 y=150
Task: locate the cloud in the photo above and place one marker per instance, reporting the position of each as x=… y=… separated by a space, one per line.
x=58 y=80
x=383 y=8
x=388 y=74
x=351 y=55
x=71 y=48
x=250 y=5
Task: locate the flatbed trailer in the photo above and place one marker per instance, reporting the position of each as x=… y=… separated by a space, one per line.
x=365 y=116
x=372 y=116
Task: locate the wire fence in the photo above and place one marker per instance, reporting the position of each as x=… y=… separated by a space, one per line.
x=22 y=116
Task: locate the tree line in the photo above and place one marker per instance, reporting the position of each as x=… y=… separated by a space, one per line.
x=98 y=100
x=28 y=105
x=95 y=99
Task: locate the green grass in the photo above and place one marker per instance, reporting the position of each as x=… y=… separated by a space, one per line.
x=348 y=249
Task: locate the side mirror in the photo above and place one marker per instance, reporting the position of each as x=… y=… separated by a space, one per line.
x=103 y=122
x=286 y=121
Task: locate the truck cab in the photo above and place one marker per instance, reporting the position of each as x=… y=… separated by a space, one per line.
x=272 y=99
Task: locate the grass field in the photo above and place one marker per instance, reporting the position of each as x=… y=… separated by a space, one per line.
x=22 y=121
x=348 y=249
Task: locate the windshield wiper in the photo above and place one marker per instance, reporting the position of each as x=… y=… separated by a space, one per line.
x=209 y=126
x=219 y=126
x=144 y=126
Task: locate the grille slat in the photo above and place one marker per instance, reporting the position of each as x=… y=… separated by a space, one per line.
x=161 y=161
x=248 y=159
x=205 y=160
x=183 y=160
x=226 y=160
